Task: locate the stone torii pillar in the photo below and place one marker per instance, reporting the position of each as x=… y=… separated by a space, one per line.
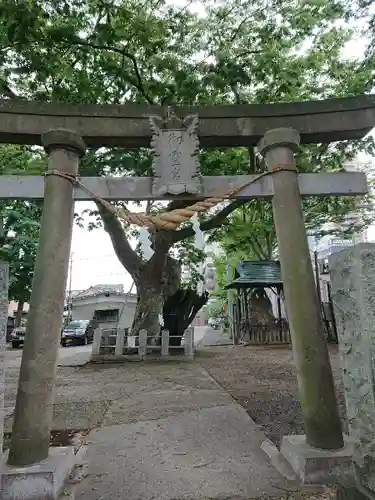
x=34 y=404
x=315 y=380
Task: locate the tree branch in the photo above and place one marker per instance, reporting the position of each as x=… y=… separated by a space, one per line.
x=316 y=160
x=257 y=247
x=6 y=91
x=215 y=221
x=237 y=96
x=162 y=243
x=139 y=83
x=125 y=254
x=237 y=30
x=149 y=206
x=269 y=245
x=177 y=204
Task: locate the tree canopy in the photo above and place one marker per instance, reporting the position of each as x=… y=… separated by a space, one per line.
x=19 y=245
x=156 y=52
x=20 y=222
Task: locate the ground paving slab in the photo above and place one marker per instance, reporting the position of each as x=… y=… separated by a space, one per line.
x=176 y=434
x=209 y=453
x=165 y=431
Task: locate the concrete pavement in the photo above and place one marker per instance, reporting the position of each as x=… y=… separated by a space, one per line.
x=155 y=430
x=207 y=336
x=68 y=356
x=209 y=453
x=171 y=432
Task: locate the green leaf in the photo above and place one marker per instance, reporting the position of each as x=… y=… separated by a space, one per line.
x=236 y=51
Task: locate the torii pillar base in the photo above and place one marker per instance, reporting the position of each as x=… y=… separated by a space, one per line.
x=313 y=466
x=45 y=479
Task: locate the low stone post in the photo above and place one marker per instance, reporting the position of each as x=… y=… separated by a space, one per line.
x=314 y=373
x=120 y=340
x=142 y=343
x=189 y=342
x=97 y=342
x=4 y=270
x=165 y=343
x=34 y=404
x=352 y=275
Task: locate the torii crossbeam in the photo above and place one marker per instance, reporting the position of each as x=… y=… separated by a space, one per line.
x=23 y=122
x=15 y=187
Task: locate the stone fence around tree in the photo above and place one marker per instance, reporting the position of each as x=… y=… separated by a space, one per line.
x=114 y=344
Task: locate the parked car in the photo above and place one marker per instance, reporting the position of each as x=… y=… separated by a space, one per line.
x=78 y=331
x=214 y=323
x=17 y=337
x=10 y=328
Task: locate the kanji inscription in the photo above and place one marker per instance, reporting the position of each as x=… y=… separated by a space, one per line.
x=175 y=145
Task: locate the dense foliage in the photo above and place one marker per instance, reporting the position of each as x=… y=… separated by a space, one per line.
x=155 y=52
x=20 y=221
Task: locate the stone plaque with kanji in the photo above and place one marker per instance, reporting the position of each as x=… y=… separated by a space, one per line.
x=175 y=145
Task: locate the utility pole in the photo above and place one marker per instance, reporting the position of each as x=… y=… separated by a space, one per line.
x=70 y=288
x=230 y=302
x=317 y=276
x=316 y=269
x=4 y=284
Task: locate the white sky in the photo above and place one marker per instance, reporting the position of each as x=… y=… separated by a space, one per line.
x=94 y=261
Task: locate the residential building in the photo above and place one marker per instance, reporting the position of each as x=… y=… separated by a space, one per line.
x=13 y=306
x=109 y=305
x=326 y=247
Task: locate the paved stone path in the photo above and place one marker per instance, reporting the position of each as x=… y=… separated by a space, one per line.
x=206 y=336
x=170 y=432
x=70 y=357
x=159 y=431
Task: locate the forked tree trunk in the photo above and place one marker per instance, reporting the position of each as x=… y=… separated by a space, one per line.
x=153 y=288
x=149 y=306
x=179 y=311
x=156 y=279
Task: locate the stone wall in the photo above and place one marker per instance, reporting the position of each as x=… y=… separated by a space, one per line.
x=353 y=295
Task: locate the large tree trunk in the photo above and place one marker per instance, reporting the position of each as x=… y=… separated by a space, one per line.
x=179 y=310
x=262 y=319
x=153 y=288
x=149 y=306
x=261 y=309
x=156 y=280
x=18 y=318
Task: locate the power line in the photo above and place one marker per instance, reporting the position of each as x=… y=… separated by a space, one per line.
x=125 y=273
x=96 y=257
x=70 y=287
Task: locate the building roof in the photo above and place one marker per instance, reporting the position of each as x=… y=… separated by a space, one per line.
x=100 y=290
x=257 y=273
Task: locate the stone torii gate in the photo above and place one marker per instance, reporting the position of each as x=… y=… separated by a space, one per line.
x=64 y=131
